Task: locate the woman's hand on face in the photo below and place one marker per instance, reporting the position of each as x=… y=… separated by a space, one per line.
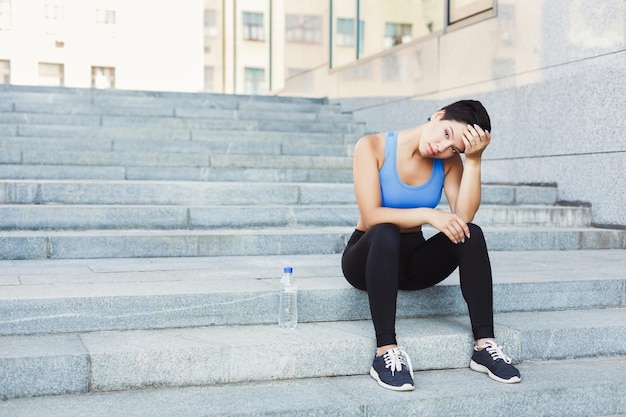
x=476 y=140
x=451 y=225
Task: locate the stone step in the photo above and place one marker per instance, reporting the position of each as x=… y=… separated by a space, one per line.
x=122 y=360
x=94 y=122
x=571 y=387
x=40 y=99
x=186 y=109
x=56 y=172
x=205 y=193
x=226 y=193
x=184 y=160
x=51 y=244
x=119 y=134
x=276 y=106
x=12 y=147
x=81 y=217
x=66 y=296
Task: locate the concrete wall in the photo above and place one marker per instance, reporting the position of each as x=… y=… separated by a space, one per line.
x=552 y=74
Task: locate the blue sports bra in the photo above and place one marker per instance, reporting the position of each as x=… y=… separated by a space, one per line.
x=397 y=194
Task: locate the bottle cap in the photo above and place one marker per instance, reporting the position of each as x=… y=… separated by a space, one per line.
x=287 y=270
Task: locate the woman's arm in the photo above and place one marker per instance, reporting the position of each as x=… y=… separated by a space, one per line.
x=368 y=156
x=463 y=184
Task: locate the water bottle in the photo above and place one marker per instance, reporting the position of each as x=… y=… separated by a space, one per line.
x=288 y=315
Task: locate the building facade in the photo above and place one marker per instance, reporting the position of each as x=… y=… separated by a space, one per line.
x=102 y=43
x=552 y=73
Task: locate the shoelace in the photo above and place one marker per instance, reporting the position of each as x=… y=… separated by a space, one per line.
x=394 y=359
x=496 y=352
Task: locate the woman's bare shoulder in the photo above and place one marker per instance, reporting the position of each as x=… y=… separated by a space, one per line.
x=373 y=142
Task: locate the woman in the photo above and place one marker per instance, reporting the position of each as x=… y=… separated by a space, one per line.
x=398 y=180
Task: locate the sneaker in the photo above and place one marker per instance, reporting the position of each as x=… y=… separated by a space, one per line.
x=392 y=372
x=492 y=361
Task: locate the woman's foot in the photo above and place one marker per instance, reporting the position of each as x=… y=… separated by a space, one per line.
x=488 y=358
x=393 y=370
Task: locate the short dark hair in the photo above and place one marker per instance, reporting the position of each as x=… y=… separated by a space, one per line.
x=468 y=111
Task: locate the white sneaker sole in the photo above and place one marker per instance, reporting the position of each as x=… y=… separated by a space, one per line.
x=481 y=368
x=405 y=387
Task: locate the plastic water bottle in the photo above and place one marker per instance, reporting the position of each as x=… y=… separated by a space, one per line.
x=288 y=315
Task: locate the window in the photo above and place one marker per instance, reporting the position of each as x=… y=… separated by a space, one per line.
x=102 y=77
x=346 y=33
x=51 y=74
x=254 y=80
x=253 y=26
x=396 y=33
x=105 y=17
x=208 y=79
x=5 y=14
x=304 y=28
x=210 y=24
x=5 y=72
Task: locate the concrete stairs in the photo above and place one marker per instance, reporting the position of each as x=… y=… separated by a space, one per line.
x=142 y=236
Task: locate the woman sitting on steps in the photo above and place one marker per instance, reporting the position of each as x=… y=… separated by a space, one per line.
x=398 y=180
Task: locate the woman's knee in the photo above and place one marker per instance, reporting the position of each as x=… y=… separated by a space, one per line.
x=475 y=230
x=477 y=237
x=385 y=234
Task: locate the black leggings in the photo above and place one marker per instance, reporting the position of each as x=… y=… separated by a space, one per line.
x=382 y=261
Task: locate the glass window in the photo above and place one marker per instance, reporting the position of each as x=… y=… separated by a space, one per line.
x=210 y=24
x=253 y=26
x=396 y=34
x=361 y=35
x=303 y=28
x=312 y=29
x=293 y=28
x=103 y=77
x=345 y=32
x=254 y=80
x=51 y=74
x=5 y=14
x=5 y=72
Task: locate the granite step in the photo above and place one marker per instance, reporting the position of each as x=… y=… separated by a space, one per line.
x=555 y=388
x=326 y=125
x=204 y=193
x=227 y=193
x=38 y=365
x=11 y=147
x=83 y=295
x=193 y=160
x=198 y=108
x=119 y=133
x=83 y=217
x=234 y=174
x=67 y=244
x=40 y=99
